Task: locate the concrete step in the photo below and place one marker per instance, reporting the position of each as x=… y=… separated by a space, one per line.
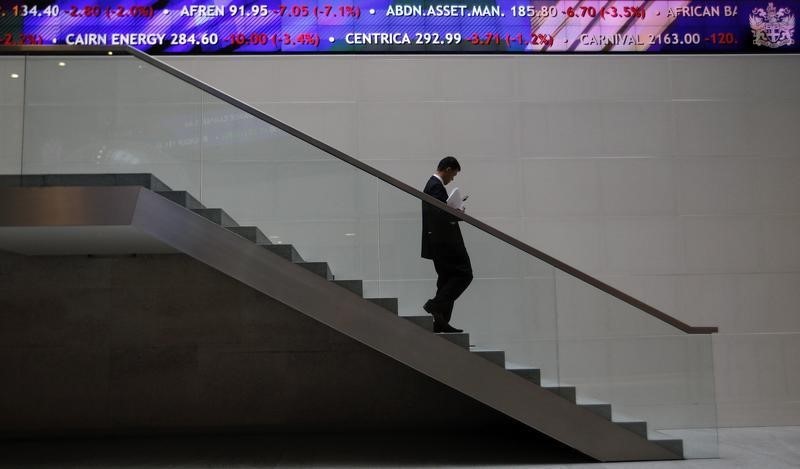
x=251 y=233
x=319 y=268
x=673 y=445
x=386 y=303
x=52 y=180
x=603 y=410
x=498 y=357
x=217 y=215
x=287 y=251
x=182 y=198
x=533 y=375
x=459 y=338
x=640 y=428
x=425 y=322
x=567 y=392
x=355 y=286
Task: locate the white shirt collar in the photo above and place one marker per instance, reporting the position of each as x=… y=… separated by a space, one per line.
x=439 y=178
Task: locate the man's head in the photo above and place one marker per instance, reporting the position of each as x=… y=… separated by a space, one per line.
x=448 y=169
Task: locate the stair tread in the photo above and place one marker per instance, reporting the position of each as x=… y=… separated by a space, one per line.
x=589 y=401
x=515 y=367
x=636 y=427
x=252 y=233
x=389 y=304
x=459 y=338
x=667 y=441
x=618 y=419
x=320 y=268
x=147 y=180
x=312 y=263
x=603 y=410
x=662 y=438
x=216 y=215
x=426 y=322
x=553 y=384
x=287 y=251
x=182 y=198
x=381 y=298
x=495 y=356
x=355 y=286
x=593 y=405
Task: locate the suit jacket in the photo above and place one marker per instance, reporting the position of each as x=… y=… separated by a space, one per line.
x=441 y=236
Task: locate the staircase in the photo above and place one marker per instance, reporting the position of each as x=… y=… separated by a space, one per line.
x=514 y=391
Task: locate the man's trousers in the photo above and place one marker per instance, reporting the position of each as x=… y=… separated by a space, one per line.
x=455 y=275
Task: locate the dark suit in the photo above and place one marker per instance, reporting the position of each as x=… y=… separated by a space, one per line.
x=442 y=242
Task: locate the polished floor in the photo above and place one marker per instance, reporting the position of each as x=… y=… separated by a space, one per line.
x=762 y=448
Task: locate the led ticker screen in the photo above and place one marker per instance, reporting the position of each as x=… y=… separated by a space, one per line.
x=369 y=26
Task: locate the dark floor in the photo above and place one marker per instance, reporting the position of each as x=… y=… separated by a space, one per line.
x=740 y=448
x=266 y=451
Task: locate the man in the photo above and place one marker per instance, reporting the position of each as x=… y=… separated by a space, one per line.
x=443 y=244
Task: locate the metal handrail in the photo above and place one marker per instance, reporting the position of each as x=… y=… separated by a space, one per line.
x=102 y=50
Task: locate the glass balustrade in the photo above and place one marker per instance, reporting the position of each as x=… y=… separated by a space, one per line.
x=12 y=93
x=646 y=369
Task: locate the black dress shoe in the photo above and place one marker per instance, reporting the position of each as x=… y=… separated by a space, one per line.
x=428 y=307
x=445 y=328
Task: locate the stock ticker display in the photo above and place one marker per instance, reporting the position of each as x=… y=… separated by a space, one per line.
x=397 y=26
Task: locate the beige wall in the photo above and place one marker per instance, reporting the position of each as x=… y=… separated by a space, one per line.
x=676 y=179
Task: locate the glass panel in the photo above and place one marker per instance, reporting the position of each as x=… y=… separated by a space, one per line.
x=110 y=115
x=646 y=369
x=294 y=192
x=12 y=88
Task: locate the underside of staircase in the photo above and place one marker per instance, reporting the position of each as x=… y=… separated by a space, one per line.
x=207 y=324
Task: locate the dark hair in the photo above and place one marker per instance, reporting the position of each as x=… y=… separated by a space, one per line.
x=448 y=162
